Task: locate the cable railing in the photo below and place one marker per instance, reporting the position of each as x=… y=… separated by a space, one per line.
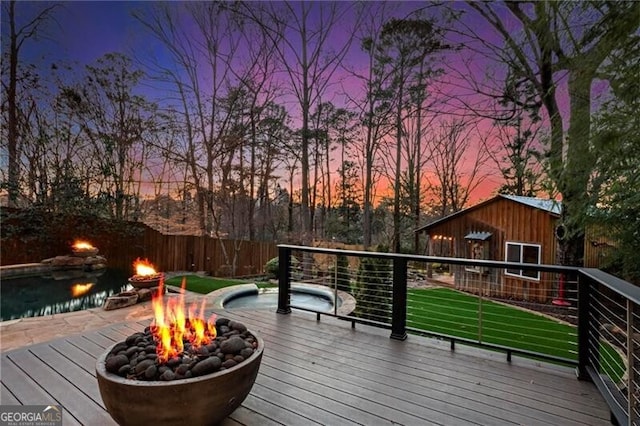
x=578 y=317
x=610 y=343
x=488 y=306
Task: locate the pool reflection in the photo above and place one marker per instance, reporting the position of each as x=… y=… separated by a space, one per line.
x=78 y=290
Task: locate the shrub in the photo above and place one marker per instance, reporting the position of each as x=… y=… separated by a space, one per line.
x=372 y=289
x=272 y=268
x=343 y=278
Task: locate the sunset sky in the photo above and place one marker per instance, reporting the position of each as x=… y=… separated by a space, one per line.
x=85 y=31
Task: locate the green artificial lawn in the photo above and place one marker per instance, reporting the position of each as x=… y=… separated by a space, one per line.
x=453 y=313
x=204 y=285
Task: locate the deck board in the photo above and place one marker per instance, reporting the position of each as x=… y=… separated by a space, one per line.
x=77 y=377
x=78 y=404
x=21 y=386
x=299 y=396
x=84 y=344
x=325 y=372
x=99 y=339
x=81 y=358
x=6 y=397
x=477 y=384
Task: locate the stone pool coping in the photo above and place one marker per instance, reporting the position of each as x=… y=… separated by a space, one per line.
x=23 y=269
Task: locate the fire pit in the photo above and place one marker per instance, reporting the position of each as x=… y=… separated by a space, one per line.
x=83 y=249
x=146 y=275
x=180 y=370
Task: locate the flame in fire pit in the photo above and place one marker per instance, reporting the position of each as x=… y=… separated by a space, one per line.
x=172 y=327
x=143 y=268
x=82 y=245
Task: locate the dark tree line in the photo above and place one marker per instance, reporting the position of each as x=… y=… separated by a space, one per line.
x=267 y=128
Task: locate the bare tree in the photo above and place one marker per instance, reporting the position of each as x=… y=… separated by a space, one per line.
x=18 y=35
x=405 y=46
x=300 y=32
x=255 y=80
x=458 y=169
x=332 y=129
x=274 y=139
x=375 y=109
x=116 y=121
x=199 y=75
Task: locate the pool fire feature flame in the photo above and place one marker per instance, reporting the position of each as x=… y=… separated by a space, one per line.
x=145 y=275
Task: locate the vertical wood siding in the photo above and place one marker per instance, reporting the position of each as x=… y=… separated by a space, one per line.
x=510 y=221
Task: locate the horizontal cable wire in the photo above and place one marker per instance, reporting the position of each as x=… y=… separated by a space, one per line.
x=480 y=303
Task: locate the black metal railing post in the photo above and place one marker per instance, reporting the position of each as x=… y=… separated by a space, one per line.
x=584 y=322
x=284 y=280
x=632 y=395
x=399 y=308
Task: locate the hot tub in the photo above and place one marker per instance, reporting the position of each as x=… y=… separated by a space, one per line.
x=310 y=297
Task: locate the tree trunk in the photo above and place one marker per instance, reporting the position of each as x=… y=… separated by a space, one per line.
x=579 y=163
x=397 y=187
x=12 y=136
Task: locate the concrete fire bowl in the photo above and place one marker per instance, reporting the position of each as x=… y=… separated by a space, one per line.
x=142 y=282
x=204 y=400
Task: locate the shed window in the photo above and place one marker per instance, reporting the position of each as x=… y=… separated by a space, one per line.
x=523 y=253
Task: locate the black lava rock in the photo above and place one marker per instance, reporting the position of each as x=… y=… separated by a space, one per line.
x=234 y=345
x=220 y=321
x=136 y=357
x=150 y=372
x=142 y=366
x=237 y=326
x=134 y=338
x=229 y=363
x=246 y=352
x=114 y=363
x=206 y=366
x=168 y=375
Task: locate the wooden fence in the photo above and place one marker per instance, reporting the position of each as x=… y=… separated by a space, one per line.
x=29 y=238
x=597 y=246
x=218 y=257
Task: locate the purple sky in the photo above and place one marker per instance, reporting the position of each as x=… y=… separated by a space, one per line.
x=84 y=31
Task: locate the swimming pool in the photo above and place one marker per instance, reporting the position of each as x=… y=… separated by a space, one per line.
x=35 y=296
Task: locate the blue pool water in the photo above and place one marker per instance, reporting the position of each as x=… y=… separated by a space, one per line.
x=59 y=292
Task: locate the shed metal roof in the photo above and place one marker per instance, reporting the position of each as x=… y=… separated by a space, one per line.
x=551 y=206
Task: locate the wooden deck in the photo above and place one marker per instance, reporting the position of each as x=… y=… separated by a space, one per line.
x=328 y=373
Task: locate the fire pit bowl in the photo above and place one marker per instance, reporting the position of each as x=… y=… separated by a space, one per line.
x=201 y=400
x=84 y=252
x=145 y=281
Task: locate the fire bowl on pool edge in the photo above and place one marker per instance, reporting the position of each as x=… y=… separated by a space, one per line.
x=203 y=400
x=151 y=281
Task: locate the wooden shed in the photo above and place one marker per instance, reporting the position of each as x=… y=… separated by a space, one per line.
x=507 y=228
